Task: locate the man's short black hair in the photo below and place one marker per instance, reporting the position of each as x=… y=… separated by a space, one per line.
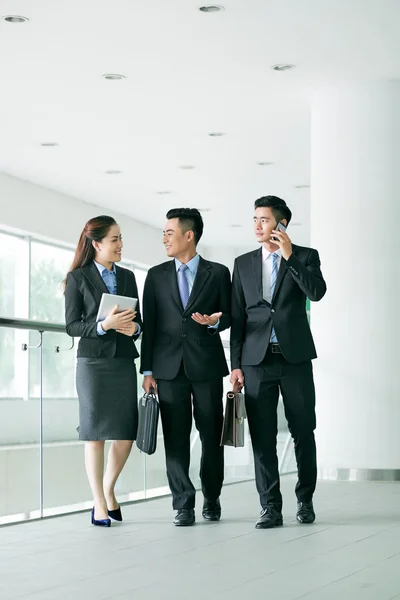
x=278 y=207
x=190 y=219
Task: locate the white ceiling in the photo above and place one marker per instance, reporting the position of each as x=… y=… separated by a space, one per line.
x=187 y=74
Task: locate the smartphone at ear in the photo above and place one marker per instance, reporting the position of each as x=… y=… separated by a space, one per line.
x=279 y=227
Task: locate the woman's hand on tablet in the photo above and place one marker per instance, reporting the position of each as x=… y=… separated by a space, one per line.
x=118 y=321
x=129 y=330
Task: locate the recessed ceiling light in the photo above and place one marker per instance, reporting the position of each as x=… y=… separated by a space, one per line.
x=113 y=76
x=216 y=134
x=48 y=144
x=236 y=225
x=282 y=67
x=302 y=187
x=113 y=172
x=15 y=19
x=163 y=193
x=204 y=209
x=187 y=167
x=265 y=164
x=211 y=8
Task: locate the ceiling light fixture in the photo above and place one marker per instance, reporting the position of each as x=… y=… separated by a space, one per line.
x=265 y=164
x=113 y=76
x=282 y=67
x=113 y=172
x=236 y=225
x=15 y=19
x=302 y=187
x=48 y=144
x=204 y=209
x=216 y=134
x=211 y=8
x=187 y=167
x=163 y=193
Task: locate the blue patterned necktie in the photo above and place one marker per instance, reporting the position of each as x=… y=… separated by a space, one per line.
x=274 y=276
x=183 y=285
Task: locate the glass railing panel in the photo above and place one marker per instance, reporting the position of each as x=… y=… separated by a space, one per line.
x=65 y=485
x=19 y=430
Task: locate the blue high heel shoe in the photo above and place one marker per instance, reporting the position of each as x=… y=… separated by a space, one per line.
x=115 y=514
x=100 y=522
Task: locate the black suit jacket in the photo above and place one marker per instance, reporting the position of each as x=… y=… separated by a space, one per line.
x=171 y=335
x=83 y=294
x=253 y=317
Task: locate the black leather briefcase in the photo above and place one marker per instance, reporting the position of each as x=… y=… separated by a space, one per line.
x=235 y=414
x=149 y=411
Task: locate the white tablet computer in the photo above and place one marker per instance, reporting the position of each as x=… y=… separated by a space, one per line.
x=108 y=301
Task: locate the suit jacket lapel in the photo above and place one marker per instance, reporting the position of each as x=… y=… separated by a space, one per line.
x=173 y=283
x=121 y=281
x=203 y=273
x=282 y=272
x=257 y=268
x=279 y=279
x=92 y=274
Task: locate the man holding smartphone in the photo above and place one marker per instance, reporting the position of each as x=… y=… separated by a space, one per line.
x=271 y=352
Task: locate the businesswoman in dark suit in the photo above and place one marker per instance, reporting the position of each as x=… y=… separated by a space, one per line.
x=106 y=373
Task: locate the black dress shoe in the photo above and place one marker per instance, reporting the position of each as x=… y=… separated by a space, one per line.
x=305 y=512
x=270 y=517
x=115 y=514
x=184 y=517
x=212 y=510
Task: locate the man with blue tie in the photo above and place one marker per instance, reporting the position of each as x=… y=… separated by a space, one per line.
x=271 y=352
x=186 y=304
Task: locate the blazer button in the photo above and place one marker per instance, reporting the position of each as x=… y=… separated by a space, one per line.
x=272 y=310
x=183 y=334
x=184 y=319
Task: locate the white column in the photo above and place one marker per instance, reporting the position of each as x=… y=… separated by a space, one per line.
x=355 y=225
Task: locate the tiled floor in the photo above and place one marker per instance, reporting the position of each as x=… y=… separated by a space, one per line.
x=352 y=552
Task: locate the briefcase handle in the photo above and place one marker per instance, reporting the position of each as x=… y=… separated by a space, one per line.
x=148 y=396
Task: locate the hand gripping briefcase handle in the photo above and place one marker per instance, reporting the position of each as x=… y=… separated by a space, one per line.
x=149 y=411
x=235 y=414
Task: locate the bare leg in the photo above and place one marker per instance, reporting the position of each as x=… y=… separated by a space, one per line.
x=117 y=457
x=94 y=461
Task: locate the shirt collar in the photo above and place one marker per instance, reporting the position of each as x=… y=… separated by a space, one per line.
x=101 y=268
x=266 y=253
x=193 y=264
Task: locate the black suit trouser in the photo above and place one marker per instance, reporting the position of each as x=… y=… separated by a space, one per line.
x=176 y=397
x=262 y=385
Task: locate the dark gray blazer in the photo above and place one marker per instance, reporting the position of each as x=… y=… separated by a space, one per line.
x=252 y=317
x=82 y=300
x=171 y=336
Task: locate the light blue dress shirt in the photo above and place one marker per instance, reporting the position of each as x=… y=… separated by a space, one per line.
x=190 y=275
x=110 y=279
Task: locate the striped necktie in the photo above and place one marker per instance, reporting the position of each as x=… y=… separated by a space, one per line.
x=274 y=276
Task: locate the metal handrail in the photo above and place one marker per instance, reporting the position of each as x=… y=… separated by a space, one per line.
x=32 y=325
x=41 y=327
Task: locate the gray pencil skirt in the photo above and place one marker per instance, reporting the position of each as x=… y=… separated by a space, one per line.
x=107 y=392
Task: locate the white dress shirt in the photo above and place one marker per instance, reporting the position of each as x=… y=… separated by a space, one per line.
x=267 y=271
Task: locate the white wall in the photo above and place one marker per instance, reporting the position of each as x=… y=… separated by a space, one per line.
x=44 y=212
x=37 y=210
x=226 y=254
